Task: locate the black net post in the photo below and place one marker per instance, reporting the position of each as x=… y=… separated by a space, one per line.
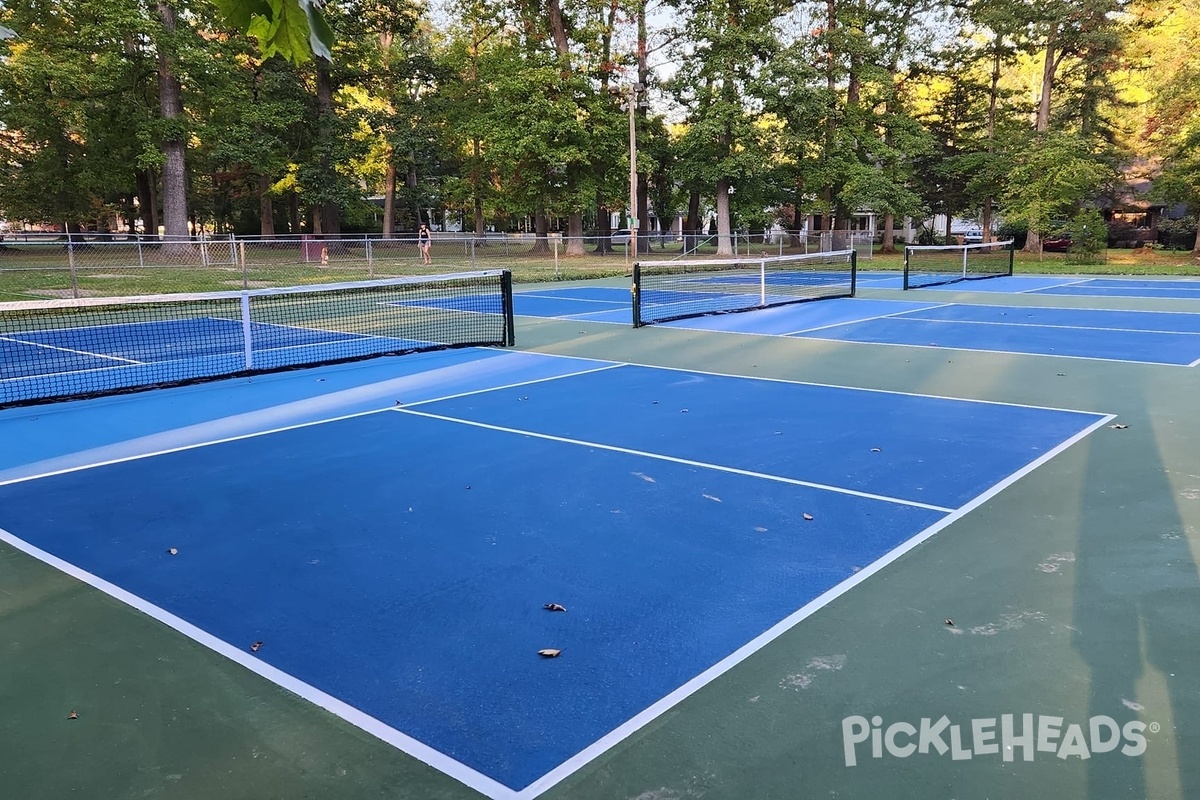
x=906 y=252
x=1012 y=250
x=637 y=294
x=506 y=294
x=853 y=272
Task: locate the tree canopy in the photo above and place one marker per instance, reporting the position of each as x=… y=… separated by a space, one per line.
x=274 y=116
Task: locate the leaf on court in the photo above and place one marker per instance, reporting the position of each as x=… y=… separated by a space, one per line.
x=876 y=450
x=760 y=529
x=779 y=433
x=254 y=647
x=399 y=403
x=549 y=653
x=1062 y=374
x=173 y=551
x=553 y=607
x=683 y=411
x=73 y=715
x=711 y=497
x=653 y=402
x=468 y=487
x=1120 y=426
x=808 y=517
x=950 y=622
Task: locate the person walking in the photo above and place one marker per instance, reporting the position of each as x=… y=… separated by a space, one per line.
x=424 y=240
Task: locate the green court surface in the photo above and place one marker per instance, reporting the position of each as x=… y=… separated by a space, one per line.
x=1073 y=593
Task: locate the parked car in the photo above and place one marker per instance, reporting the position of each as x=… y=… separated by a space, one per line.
x=1056 y=244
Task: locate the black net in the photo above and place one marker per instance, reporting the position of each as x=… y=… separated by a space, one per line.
x=937 y=265
x=73 y=348
x=664 y=291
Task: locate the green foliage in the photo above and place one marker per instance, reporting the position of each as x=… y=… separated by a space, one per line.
x=1052 y=179
x=293 y=29
x=1089 y=237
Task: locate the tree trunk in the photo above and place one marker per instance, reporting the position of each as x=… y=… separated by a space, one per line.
x=174 y=176
x=146 y=202
x=389 y=198
x=1033 y=244
x=329 y=213
x=724 y=240
x=575 y=234
x=293 y=212
x=692 y=233
x=889 y=238
x=541 y=232
x=1196 y=246
x=266 y=207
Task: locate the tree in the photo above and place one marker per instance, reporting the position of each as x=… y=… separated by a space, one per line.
x=293 y=29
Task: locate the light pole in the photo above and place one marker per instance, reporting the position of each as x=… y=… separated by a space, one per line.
x=634 y=90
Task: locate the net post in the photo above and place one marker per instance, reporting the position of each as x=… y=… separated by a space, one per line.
x=506 y=292
x=853 y=272
x=1012 y=249
x=71 y=262
x=636 y=291
x=247 y=338
x=762 y=282
x=906 y=251
x=965 y=251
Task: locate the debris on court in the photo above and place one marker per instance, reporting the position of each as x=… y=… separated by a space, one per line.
x=711 y=497
x=876 y=449
x=254 y=647
x=173 y=551
x=1120 y=426
x=683 y=411
x=73 y=715
x=549 y=653
x=808 y=517
x=553 y=607
x=950 y=622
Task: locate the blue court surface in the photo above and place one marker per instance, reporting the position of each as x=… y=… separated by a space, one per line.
x=1150 y=337
x=394 y=560
x=1181 y=289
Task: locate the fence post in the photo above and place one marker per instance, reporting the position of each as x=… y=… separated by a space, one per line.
x=370 y=262
x=141 y=257
x=242 y=258
x=232 y=250
x=556 y=274
x=71 y=261
x=473 y=253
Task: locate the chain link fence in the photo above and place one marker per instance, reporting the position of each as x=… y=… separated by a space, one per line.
x=53 y=265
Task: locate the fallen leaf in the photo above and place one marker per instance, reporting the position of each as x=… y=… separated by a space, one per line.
x=683 y=411
x=808 y=517
x=173 y=551
x=876 y=450
x=553 y=607
x=949 y=622
x=1062 y=374
x=1120 y=426
x=254 y=647
x=73 y=715
x=549 y=653
x=399 y=403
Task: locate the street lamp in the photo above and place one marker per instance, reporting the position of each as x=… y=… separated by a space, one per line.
x=635 y=91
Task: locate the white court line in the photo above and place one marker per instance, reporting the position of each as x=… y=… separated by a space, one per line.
x=422 y=752
x=510 y=385
x=255 y=434
x=584 y=314
x=440 y=761
x=828 y=385
x=70 y=350
x=627 y=729
x=997 y=352
x=676 y=460
x=618 y=303
x=868 y=319
x=1053 y=286
x=1046 y=325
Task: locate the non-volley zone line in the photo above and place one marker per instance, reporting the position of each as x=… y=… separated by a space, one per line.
x=718 y=538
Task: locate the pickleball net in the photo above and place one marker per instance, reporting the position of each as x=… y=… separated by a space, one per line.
x=670 y=290
x=57 y=349
x=936 y=265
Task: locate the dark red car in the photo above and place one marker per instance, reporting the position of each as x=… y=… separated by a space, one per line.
x=1056 y=244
